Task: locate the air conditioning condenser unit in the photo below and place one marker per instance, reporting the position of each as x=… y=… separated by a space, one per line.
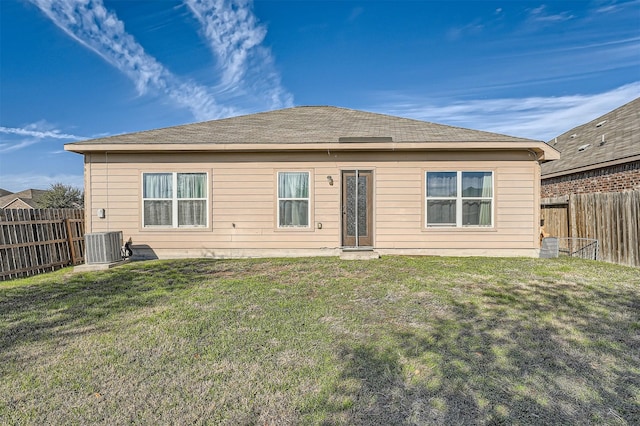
x=103 y=247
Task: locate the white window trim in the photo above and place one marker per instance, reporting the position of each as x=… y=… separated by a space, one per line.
x=174 y=201
x=459 y=199
x=278 y=199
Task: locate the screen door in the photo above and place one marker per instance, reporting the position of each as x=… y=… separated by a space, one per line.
x=357 y=208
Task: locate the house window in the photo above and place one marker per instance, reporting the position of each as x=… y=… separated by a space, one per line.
x=174 y=200
x=293 y=199
x=459 y=199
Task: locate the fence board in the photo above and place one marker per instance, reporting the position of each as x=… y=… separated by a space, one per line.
x=556 y=220
x=33 y=241
x=613 y=218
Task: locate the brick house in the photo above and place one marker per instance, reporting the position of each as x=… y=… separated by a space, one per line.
x=593 y=191
x=602 y=155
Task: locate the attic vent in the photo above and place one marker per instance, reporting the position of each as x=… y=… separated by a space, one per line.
x=573 y=136
x=600 y=124
x=584 y=147
x=348 y=139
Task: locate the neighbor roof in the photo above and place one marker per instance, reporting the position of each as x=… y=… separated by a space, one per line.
x=19 y=203
x=582 y=147
x=28 y=196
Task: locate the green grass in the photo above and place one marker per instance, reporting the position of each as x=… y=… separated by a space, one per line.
x=400 y=340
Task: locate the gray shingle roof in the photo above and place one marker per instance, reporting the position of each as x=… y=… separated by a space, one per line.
x=19 y=203
x=315 y=124
x=28 y=196
x=582 y=146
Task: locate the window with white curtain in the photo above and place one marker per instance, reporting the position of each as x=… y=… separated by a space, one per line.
x=459 y=199
x=293 y=199
x=174 y=200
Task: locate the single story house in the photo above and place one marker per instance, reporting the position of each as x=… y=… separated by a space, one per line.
x=27 y=199
x=309 y=181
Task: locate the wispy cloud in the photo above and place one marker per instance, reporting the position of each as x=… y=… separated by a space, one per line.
x=604 y=7
x=534 y=19
x=21 y=181
x=30 y=131
x=607 y=9
x=235 y=36
x=232 y=31
x=17 y=138
x=100 y=30
x=51 y=139
x=540 y=14
x=540 y=118
x=11 y=146
x=472 y=29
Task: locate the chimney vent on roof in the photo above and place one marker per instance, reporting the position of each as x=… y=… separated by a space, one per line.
x=573 y=136
x=584 y=147
x=603 y=141
x=600 y=124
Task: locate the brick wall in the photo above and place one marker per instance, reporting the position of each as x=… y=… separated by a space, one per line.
x=607 y=179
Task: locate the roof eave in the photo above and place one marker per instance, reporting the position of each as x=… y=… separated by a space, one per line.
x=541 y=149
x=591 y=167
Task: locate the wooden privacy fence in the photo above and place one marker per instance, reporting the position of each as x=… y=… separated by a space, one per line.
x=613 y=218
x=33 y=241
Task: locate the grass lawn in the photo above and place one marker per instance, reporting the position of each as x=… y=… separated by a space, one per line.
x=400 y=340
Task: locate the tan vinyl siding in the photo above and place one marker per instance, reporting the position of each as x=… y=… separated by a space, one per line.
x=243 y=192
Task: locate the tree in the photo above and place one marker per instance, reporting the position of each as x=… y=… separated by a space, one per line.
x=61 y=196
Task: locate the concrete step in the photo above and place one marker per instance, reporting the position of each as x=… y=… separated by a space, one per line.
x=359 y=255
x=89 y=267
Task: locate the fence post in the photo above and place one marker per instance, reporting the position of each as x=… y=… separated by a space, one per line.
x=72 y=249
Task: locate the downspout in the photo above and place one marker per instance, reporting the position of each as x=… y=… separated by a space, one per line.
x=538 y=196
x=356 y=210
x=88 y=183
x=106 y=160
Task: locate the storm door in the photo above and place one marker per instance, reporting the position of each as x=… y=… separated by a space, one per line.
x=357 y=208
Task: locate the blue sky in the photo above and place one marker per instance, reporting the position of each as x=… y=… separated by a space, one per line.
x=72 y=70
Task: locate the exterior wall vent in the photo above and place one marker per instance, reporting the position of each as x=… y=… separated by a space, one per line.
x=103 y=247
